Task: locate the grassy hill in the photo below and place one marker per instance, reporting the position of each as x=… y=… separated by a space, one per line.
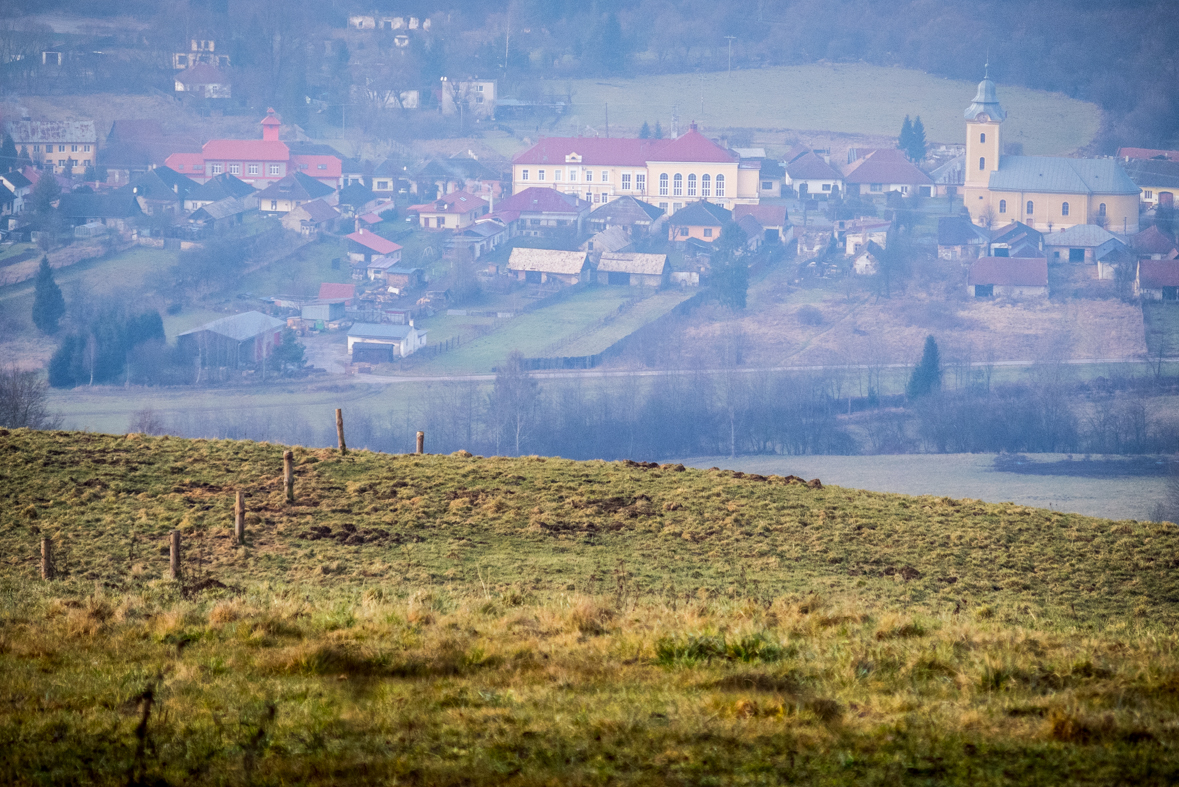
x=470 y=620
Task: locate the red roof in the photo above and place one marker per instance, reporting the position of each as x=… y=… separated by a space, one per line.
x=541 y=200
x=371 y=240
x=370 y=218
x=1010 y=271
x=186 y=162
x=886 y=166
x=332 y=291
x=1147 y=153
x=246 y=150
x=591 y=150
x=454 y=202
x=272 y=118
x=694 y=146
x=766 y=215
x=1152 y=240
x=1156 y=274
x=308 y=164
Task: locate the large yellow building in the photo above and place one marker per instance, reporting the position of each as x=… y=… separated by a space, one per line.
x=1044 y=192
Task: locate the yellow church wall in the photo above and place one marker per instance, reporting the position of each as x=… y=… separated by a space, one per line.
x=1121 y=210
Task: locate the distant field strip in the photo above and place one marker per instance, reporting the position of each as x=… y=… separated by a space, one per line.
x=851 y=98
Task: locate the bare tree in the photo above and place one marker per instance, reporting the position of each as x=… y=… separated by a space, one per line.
x=24 y=401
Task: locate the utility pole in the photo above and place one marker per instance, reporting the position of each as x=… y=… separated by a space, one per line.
x=730 y=53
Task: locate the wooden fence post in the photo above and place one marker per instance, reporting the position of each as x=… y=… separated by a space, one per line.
x=174 y=555
x=239 y=518
x=340 y=430
x=288 y=473
x=421 y=443
x=46 y=559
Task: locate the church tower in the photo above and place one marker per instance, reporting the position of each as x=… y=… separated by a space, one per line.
x=983 y=119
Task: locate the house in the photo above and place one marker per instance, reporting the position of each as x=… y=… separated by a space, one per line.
x=222 y=213
x=323 y=310
x=381 y=343
x=1158 y=179
x=669 y=173
x=775 y=223
x=542 y=211
x=311 y=218
x=869 y=260
x=291 y=192
x=133 y=147
x=608 y=240
x=855 y=234
x=204 y=81
x=810 y=174
x=354 y=198
x=394 y=276
x=883 y=171
x=161 y=191
x=236 y=341
x=453 y=211
x=1016 y=240
x=478 y=239
x=7 y=200
x=1157 y=280
x=1079 y=243
x=200 y=50
x=20 y=186
x=638 y=218
x=1041 y=191
x=330 y=291
x=949 y=177
x=1152 y=244
x=700 y=220
x=363 y=246
x=1113 y=256
x=540 y=266
x=814 y=243
x=384 y=178
x=319 y=161
x=221 y=187
x=116 y=211
x=440 y=176
x=771 y=176
x=476 y=97
x=634 y=270
x=958 y=238
x=1010 y=277
x=66 y=147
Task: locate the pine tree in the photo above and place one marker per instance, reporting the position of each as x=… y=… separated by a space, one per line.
x=46 y=191
x=658 y=130
x=906 y=137
x=7 y=153
x=48 y=303
x=730 y=272
x=917 y=144
x=927 y=376
x=645 y=131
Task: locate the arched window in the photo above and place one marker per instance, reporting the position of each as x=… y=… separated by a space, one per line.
x=982 y=163
x=982 y=137
x=691 y=185
x=663 y=185
x=1101 y=209
x=1002 y=206
x=677 y=185
x=1063 y=209
x=720 y=185
x=705 y=186
x=1031 y=208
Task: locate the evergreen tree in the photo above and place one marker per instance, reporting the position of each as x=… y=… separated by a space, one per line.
x=645 y=131
x=289 y=354
x=45 y=193
x=730 y=273
x=927 y=376
x=906 y=137
x=658 y=130
x=916 y=147
x=48 y=303
x=23 y=159
x=7 y=153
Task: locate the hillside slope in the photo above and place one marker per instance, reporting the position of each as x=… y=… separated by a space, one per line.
x=468 y=620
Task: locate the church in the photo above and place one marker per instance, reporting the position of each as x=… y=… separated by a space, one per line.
x=1044 y=192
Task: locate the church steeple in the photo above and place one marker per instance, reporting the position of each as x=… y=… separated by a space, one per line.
x=986 y=102
x=983 y=119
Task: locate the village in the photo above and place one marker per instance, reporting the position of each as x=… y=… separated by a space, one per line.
x=421 y=255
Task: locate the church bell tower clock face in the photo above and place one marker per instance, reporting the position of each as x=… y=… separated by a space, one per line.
x=982 y=117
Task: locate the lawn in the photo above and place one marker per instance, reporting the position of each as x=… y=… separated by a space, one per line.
x=442 y=620
x=299 y=274
x=853 y=98
x=641 y=313
x=1161 y=323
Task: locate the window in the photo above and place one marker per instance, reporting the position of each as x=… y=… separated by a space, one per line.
x=1147 y=194
x=982 y=137
x=705 y=186
x=663 y=185
x=1101 y=209
x=61 y=162
x=523 y=174
x=826 y=187
x=904 y=189
x=1064 y=209
x=61 y=148
x=73 y=148
x=274 y=169
x=589 y=196
x=982 y=163
x=708 y=232
x=540 y=174
x=677 y=185
x=274 y=204
x=766 y=185
x=383 y=185
x=572 y=176
x=605 y=176
x=253 y=169
x=1031 y=207
x=691 y=185
x=86 y=148
x=1002 y=206
x=557 y=175
x=321 y=166
x=37 y=149
x=235 y=169
x=876 y=187
x=663 y=206
x=626 y=181
x=640 y=182
x=720 y=185
x=683 y=232
x=217 y=169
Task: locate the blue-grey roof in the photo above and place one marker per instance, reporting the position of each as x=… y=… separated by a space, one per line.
x=370 y=330
x=986 y=101
x=240 y=327
x=1061 y=175
x=1087 y=235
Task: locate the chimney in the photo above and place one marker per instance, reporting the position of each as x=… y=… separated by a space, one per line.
x=692 y=126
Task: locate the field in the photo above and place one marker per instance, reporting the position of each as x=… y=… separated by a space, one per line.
x=468 y=620
x=853 y=98
x=1162 y=329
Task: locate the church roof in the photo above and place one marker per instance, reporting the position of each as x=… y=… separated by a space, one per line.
x=1061 y=176
x=986 y=101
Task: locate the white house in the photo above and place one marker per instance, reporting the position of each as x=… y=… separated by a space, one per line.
x=380 y=343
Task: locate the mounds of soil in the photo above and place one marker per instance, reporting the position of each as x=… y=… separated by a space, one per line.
x=643 y=465
x=471 y=495
x=208 y=583
x=630 y=507
x=349 y=535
